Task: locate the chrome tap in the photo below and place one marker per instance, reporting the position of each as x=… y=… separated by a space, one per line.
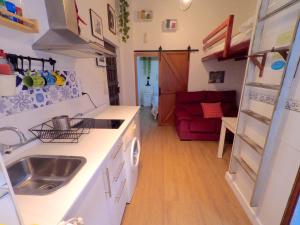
x=23 y=139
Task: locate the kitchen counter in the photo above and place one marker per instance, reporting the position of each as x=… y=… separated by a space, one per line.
x=95 y=146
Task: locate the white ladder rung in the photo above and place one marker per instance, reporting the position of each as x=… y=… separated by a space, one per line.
x=266 y=86
x=251 y=143
x=252 y=174
x=257 y=116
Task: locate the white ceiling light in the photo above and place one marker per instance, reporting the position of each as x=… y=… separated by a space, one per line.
x=185 y=4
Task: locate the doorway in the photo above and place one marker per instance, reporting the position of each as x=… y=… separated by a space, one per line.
x=147 y=72
x=168 y=75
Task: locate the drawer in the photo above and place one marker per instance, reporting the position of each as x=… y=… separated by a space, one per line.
x=115 y=157
x=120 y=200
x=117 y=177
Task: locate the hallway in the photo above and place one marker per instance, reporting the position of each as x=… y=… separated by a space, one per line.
x=181 y=183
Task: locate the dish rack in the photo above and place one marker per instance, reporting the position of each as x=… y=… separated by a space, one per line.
x=47 y=134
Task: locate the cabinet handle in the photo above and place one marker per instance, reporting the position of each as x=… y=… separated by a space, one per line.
x=108 y=183
x=120 y=169
x=117 y=152
x=119 y=195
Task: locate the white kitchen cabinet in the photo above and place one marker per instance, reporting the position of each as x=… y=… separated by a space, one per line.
x=93 y=206
x=8 y=211
x=117 y=179
x=104 y=199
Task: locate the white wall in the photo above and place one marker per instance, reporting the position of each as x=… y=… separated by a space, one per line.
x=93 y=79
x=193 y=26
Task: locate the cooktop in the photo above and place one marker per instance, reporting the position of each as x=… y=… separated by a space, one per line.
x=99 y=124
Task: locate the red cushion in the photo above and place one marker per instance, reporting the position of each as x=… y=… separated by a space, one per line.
x=212 y=110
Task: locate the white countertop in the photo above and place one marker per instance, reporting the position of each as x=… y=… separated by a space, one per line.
x=95 y=146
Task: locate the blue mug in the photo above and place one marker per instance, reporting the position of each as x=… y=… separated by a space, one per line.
x=49 y=78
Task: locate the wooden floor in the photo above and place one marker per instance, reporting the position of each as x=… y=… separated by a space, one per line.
x=181 y=183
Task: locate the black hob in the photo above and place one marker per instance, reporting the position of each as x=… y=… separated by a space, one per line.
x=99 y=124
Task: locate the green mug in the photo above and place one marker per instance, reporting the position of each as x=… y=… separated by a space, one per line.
x=27 y=79
x=38 y=80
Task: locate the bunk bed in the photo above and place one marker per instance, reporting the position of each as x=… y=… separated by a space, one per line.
x=220 y=44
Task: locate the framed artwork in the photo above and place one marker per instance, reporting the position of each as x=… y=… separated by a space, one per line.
x=216 y=77
x=170 y=25
x=101 y=61
x=96 y=25
x=145 y=15
x=111 y=19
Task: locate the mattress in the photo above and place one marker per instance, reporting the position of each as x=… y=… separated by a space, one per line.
x=237 y=39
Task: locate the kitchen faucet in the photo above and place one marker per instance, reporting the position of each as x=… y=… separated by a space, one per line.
x=23 y=139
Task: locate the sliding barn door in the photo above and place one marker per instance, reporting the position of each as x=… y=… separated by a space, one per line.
x=173 y=77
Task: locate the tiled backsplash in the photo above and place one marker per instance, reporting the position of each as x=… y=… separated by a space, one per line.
x=29 y=99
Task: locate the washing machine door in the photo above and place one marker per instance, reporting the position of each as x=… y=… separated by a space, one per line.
x=135 y=151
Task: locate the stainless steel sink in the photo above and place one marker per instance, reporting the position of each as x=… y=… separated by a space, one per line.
x=42 y=175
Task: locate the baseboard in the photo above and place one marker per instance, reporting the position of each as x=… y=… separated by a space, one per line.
x=243 y=201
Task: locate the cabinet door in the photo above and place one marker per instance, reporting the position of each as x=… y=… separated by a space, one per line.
x=93 y=204
x=8 y=211
x=8 y=214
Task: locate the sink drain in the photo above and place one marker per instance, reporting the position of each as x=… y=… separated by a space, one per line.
x=47 y=187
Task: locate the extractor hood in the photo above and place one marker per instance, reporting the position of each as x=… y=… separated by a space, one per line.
x=63 y=36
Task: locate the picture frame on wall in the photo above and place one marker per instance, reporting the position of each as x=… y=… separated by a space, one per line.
x=111 y=14
x=170 y=25
x=216 y=77
x=101 y=61
x=96 y=25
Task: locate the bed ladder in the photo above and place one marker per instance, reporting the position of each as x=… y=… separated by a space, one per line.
x=257 y=60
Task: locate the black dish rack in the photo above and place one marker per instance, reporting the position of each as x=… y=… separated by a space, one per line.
x=47 y=134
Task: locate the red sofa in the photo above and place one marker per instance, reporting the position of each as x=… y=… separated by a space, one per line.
x=191 y=125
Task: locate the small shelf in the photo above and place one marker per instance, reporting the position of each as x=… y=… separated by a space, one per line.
x=27 y=25
x=261 y=85
x=246 y=167
x=257 y=116
x=251 y=143
x=281 y=50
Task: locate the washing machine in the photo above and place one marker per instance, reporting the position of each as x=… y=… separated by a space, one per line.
x=132 y=152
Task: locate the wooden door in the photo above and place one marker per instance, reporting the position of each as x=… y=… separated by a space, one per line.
x=173 y=77
x=112 y=76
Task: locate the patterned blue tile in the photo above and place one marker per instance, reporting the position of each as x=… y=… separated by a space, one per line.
x=28 y=99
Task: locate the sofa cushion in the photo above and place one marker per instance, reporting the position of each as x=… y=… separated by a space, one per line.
x=204 y=126
x=182 y=115
x=212 y=110
x=190 y=97
x=194 y=109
